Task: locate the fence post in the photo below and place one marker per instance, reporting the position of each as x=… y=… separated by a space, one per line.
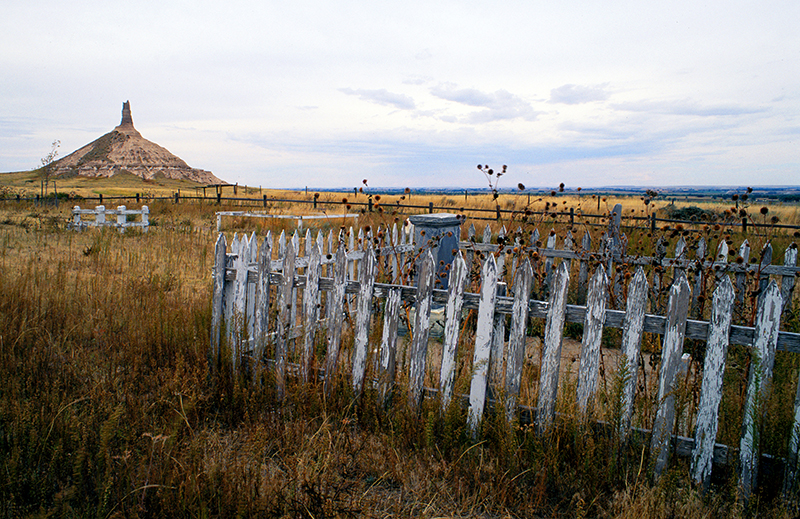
x=76 y=217
x=653 y=223
x=744 y=225
x=265 y=200
x=100 y=215
x=122 y=218
x=219 y=198
x=137 y=198
x=370 y=204
x=101 y=197
x=176 y=198
x=430 y=207
x=145 y=217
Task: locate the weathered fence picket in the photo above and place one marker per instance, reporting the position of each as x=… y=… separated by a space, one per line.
x=249 y=286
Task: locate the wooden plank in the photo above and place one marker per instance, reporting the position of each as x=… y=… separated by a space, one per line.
x=758 y=385
x=592 y=337
x=548 y=262
x=483 y=342
x=261 y=320
x=250 y=308
x=310 y=311
x=741 y=277
x=422 y=325
x=551 y=359
x=699 y=279
x=230 y=291
x=239 y=315
x=284 y=314
x=498 y=339
x=220 y=249
x=366 y=276
x=459 y=274
x=632 y=331
x=711 y=391
x=787 y=282
x=387 y=367
x=336 y=317
x=766 y=261
x=671 y=351
x=516 y=340
x=583 y=267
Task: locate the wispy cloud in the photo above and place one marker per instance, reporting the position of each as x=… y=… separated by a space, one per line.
x=382 y=97
x=499 y=105
x=578 y=94
x=687 y=107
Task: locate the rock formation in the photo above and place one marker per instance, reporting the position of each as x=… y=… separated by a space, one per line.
x=125 y=150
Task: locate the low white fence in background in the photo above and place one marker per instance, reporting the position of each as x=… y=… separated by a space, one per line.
x=101 y=217
x=299 y=218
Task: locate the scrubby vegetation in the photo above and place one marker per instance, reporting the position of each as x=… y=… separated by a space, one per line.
x=108 y=409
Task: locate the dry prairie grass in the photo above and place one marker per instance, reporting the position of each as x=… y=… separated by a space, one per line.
x=107 y=409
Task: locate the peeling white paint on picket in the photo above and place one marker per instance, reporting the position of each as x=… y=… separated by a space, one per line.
x=551 y=358
x=677 y=314
x=516 y=341
x=632 y=333
x=711 y=389
x=483 y=344
x=758 y=384
x=592 y=336
x=455 y=300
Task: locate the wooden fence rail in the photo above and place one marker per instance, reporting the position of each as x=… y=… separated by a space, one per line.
x=101 y=214
x=274 y=312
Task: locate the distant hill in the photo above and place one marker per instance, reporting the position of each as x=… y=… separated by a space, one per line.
x=124 y=150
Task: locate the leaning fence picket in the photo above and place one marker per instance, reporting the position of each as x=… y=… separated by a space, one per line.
x=310 y=311
x=285 y=293
x=516 y=341
x=458 y=280
x=551 y=358
x=483 y=344
x=388 y=353
x=788 y=280
x=220 y=250
x=763 y=358
x=363 y=314
x=592 y=336
x=674 y=333
x=711 y=390
x=632 y=331
x=336 y=315
x=422 y=325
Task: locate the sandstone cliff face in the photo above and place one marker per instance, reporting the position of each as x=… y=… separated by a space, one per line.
x=125 y=150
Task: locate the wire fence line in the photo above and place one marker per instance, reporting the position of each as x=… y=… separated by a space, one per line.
x=369 y=205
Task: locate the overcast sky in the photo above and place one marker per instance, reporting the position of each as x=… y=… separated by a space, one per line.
x=325 y=94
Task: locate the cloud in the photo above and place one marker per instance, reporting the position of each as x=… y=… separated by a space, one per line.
x=500 y=105
x=577 y=94
x=382 y=97
x=687 y=107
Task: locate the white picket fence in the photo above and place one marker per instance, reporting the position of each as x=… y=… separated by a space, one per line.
x=309 y=296
x=110 y=217
x=298 y=218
